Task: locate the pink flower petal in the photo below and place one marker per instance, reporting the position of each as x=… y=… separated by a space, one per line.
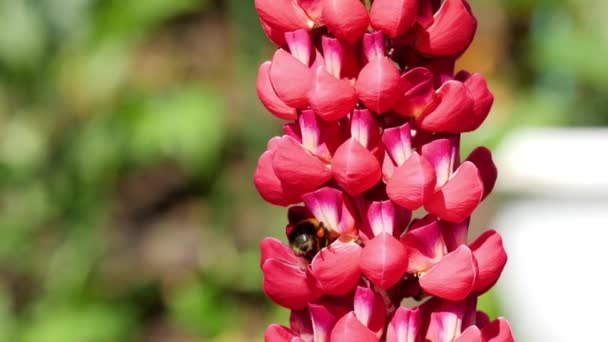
x=398 y=143
x=457 y=199
x=393 y=17
x=337 y=268
x=300 y=45
x=341 y=60
x=370 y=309
x=276 y=249
x=364 y=128
x=454 y=277
x=290 y=79
x=448 y=319
x=279 y=333
x=269 y=98
x=378 y=84
x=319 y=137
x=355 y=168
x=348 y=328
x=405 y=325
x=332 y=208
x=482 y=158
x=425 y=246
x=269 y=185
x=297 y=169
x=323 y=320
x=452 y=30
x=329 y=97
x=384 y=260
x=442 y=154
x=385 y=216
x=453 y=111
x=301 y=323
x=470 y=334
x=412 y=183
x=498 y=331
x=373 y=45
x=287 y=284
x=346 y=19
x=491 y=259
x=285 y=15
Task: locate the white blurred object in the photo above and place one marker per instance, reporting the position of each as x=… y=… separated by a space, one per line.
x=566 y=161
x=554 y=287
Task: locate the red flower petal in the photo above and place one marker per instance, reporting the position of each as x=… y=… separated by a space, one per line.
x=355 y=168
x=275 y=249
x=279 y=333
x=378 y=84
x=298 y=170
x=349 y=328
x=405 y=325
x=457 y=199
x=276 y=35
x=314 y=9
x=285 y=15
x=482 y=100
x=412 y=183
x=337 y=268
x=329 y=97
x=269 y=98
x=471 y=334
x=269 y=185
x=393 y=17
x=491 y=259
x=482 y=319
x=452 y=30
x=425 y=246
x=498 y=331
x=290 y=79
x=384 y=260
x=482 y=158
x=454 y=277
x=418 y=92
x=454 y=234
x=287 y=284
x=452 y=114
x=346 y=19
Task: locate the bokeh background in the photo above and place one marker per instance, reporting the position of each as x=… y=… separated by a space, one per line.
x=129 y=132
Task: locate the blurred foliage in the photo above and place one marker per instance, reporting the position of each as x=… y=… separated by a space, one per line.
x=129 y=131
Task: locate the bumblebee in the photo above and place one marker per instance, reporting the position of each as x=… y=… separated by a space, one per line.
x=308 y=237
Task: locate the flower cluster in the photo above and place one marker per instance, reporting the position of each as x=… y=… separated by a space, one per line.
x=375 y=111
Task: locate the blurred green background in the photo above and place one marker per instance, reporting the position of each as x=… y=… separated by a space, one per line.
x=129 y=132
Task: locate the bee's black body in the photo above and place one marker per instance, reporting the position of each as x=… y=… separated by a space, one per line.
x=308 y=237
